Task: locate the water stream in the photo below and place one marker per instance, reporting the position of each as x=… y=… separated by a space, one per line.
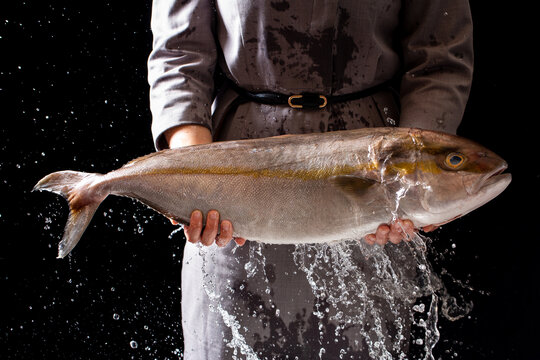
x=392 y=291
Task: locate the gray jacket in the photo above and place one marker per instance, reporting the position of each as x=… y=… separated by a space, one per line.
x=326 y=47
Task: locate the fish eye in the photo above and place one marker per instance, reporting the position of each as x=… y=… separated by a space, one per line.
x=455 y=160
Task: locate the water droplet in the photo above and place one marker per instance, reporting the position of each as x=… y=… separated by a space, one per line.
x=133 y=344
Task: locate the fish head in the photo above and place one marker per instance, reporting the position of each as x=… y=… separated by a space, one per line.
x=450 y=177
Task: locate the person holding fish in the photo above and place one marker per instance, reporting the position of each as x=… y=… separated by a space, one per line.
x=226 y=70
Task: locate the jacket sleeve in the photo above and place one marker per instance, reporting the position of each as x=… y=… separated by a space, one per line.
x=181 y=65
x=438 y=60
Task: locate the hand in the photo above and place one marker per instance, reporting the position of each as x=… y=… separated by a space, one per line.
x=194 y=231
x=394 y=232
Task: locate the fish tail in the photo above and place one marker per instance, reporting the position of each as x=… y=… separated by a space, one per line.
x=79 y=189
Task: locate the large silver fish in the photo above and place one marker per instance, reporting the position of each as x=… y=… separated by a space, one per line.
x=299 y=188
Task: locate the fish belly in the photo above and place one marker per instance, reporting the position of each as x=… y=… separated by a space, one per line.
x=266 y=209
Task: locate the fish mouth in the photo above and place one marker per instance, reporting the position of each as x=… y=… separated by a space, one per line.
x=492 y=187
x=485 y=189
x=495 y=184
x=494 y=179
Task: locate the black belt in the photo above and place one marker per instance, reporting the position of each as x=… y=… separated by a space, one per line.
x=306 y=100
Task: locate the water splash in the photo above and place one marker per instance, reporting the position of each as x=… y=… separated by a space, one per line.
x=337 y=277
x=394 y=289
x=238 y=341
x=392 y=292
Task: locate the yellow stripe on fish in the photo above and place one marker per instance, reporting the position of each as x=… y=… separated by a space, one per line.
x=401 y=168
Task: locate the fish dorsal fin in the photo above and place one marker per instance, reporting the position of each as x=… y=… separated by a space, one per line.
x=353 y=184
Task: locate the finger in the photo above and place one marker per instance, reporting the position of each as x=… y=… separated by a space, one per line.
x=193 y=231
x=396 y=233
x=370 y=239
x=225 y=235
x=408 y=228
x=240 y=241
x=210 y=231
x=381 y=235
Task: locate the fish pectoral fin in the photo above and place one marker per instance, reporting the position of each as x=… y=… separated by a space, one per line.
x=354 y=185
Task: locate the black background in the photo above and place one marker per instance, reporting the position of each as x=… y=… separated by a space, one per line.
x=74 y=95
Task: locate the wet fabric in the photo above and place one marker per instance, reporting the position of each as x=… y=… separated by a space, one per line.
x=327 y=47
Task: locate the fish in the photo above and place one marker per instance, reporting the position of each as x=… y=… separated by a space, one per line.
x=294 y=189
